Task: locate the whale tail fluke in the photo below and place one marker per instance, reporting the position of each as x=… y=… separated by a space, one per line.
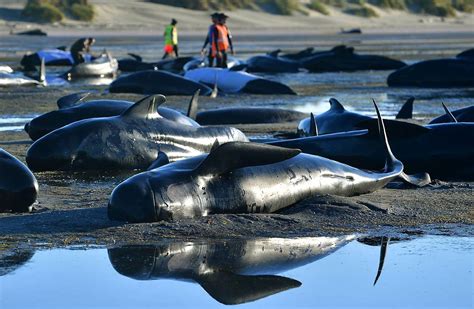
x=449 y=114
x=392 y=163
x=42 y=75
x=313 y=127
x=383 y=253
x=193 y=105
x=406 y=112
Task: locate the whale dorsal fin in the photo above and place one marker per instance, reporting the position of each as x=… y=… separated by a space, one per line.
x=449 y=114
x=274 y=53
x=233 y=155
x=146 y=108
x=230 y=289
x=313 y=126
x=136 y=57
x=193 y=105
x=336 y=105
x=72 y=99
x=406 y=112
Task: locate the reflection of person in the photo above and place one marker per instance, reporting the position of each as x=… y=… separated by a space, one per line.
x=224 y=41
x=171 y=39
x=211 y=39
x=80 y=48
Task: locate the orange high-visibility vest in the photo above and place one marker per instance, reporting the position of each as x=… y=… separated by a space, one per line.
x=222 y=39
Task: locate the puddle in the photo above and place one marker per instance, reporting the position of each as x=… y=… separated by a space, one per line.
x=313 y=272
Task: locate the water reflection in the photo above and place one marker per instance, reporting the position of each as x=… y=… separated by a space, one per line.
x=231 y=272
x=12 y=258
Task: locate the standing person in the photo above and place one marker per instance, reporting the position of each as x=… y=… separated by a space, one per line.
x=211 y=39
x=78 y=49
x=171 y=39
x=224 y=41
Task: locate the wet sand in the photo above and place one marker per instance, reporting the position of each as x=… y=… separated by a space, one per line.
x=72 y=207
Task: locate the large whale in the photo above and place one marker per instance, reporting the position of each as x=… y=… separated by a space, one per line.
x=242 y=178
x=465 y=114
x=233 y=272
x=247 y=115
x=338 y=119
x=53 y=57
x=449 y=72
x=444 y=150
x=150 y=82
x=72 y=108
x=18 y=186
x=237 y=81
x=272 y=64
x=132 y=140
x=344 y=59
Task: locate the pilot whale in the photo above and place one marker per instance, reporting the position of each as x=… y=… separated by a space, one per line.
x=151 y=82
x=72 y=108
x=132 y=140
x=338 y=119
x=18 y=186
x=242 y=178
x=232 y=272
x=229 y=81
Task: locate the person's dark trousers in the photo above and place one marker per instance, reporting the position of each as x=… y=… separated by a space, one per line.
x=77 y=58
x=222 y=61
x=211 y=59
x=175 y=49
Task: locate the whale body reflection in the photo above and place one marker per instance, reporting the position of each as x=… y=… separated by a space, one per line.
x=232 y=272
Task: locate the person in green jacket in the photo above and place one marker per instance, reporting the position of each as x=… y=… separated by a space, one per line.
x=171 y=40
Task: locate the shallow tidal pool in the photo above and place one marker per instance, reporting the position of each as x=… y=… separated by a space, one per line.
x=315 y=272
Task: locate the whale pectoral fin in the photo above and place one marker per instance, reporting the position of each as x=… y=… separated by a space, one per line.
x=313 y=127
x=418 y=180
x=146 y=108
x=193 y=105
x=231 y=289
x=394 y=128
x=406 y=112
x=449 y=114
x=336 y=105
x=72 y=99
x=136 y=57
x=233 y=155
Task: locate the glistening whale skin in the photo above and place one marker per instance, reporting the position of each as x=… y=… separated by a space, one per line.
x=232 y=272
x=74 y=109
x=246 y=115
x=465 y=114
x=345 y=60
x=237 y=81
x=131 y=140
x=18 y=186
x=444 y=150
x=449 y=72
x=338 y=119
x=241 y=178
x=150 y=82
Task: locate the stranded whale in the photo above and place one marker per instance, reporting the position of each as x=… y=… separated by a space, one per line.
x=242 y=178
x=132 y=140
